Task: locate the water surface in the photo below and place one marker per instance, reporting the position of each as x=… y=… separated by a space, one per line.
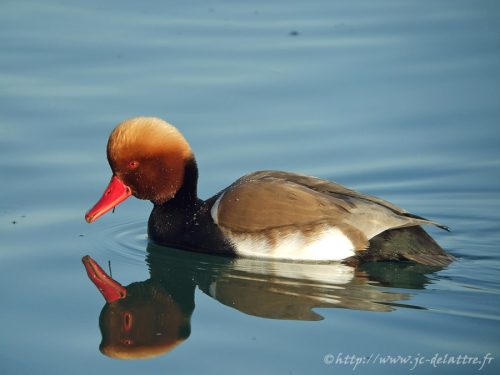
x=396 y=99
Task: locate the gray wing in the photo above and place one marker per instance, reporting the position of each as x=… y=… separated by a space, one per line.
x=269 y=199
x=331 y=188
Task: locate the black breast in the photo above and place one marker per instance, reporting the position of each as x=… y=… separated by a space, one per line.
x=187 y=226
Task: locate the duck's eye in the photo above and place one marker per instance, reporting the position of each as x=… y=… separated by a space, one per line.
x=133 y=164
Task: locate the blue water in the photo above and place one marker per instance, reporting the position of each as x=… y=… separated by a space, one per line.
x=398 y=99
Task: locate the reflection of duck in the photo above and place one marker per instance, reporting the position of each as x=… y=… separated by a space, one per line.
x=144 y=319
x=266 y=214
x=152 y=317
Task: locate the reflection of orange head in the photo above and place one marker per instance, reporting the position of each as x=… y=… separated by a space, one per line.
x=147 y=323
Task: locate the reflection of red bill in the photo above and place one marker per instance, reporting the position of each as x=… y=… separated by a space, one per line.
x=109 y=288
x=115 y=193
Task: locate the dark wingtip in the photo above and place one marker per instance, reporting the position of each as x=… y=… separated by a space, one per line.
x=446 y=228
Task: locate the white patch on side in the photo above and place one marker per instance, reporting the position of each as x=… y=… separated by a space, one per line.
x=214 y=212
x=330 y=244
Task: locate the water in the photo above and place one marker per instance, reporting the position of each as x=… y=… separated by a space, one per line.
x=396 y=99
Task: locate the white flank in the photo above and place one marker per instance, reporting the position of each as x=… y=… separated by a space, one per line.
x=331 y=244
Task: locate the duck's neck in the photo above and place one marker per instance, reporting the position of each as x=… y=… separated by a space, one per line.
x=188 y=193
x=185 y=220
x=189 y=189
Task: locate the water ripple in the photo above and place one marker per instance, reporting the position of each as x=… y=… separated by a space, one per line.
x=128 y=240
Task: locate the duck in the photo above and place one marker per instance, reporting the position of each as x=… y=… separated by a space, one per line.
x=264 y=214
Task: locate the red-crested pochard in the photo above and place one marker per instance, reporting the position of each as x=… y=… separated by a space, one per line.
x=267 y=214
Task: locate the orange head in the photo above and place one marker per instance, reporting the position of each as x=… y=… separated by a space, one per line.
x=148 y=158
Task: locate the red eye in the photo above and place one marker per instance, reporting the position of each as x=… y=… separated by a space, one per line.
x=133 y=164
x=127 y=321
